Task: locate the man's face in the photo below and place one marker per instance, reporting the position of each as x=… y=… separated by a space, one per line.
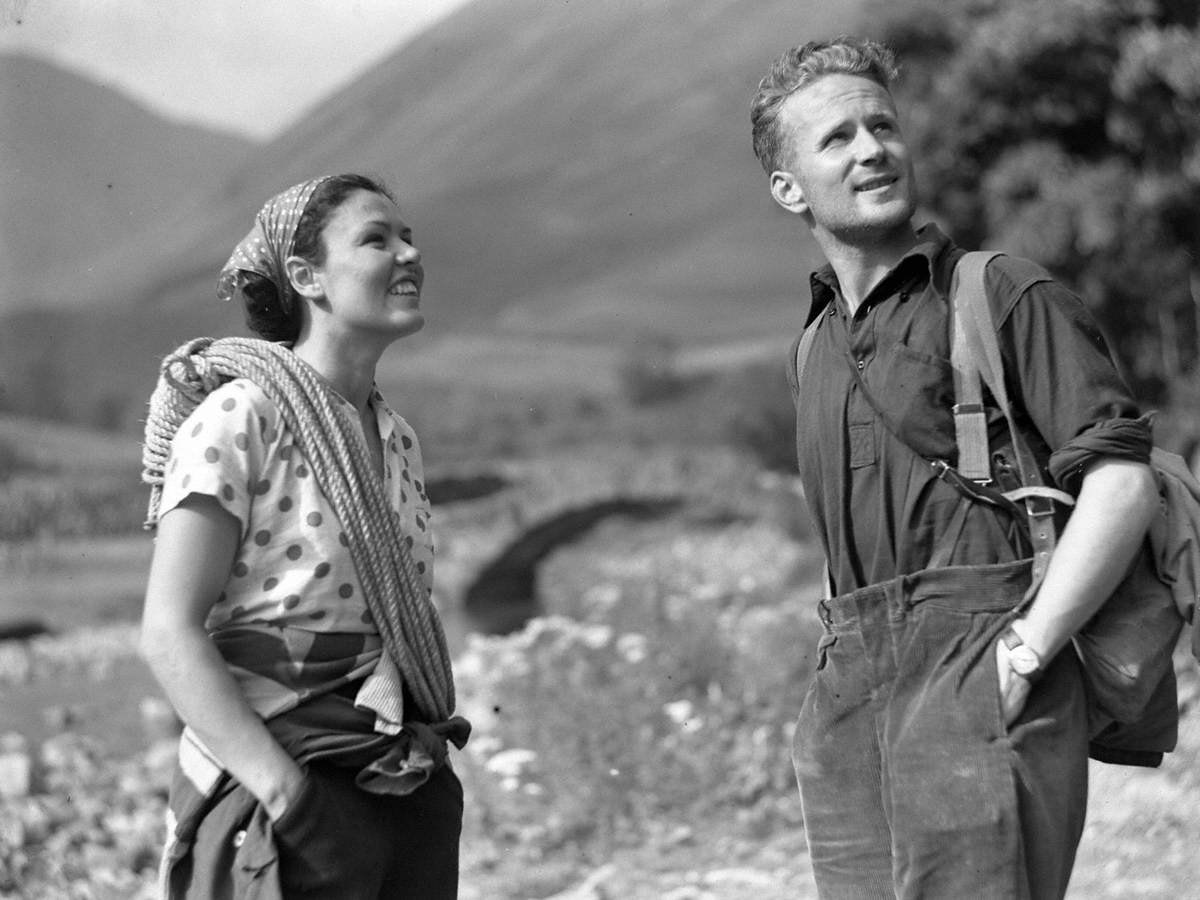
x=845 y=164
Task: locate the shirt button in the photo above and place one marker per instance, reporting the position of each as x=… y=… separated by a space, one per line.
x=239 y=838
x=861 y=365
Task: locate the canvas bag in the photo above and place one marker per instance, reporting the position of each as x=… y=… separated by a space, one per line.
x=1127 y=647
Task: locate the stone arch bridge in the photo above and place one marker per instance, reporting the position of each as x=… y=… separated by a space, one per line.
x=494 y=524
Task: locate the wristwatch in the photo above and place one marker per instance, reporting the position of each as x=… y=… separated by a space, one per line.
x=1022 y=658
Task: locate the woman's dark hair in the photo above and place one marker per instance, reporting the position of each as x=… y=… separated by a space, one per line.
x=275 y=312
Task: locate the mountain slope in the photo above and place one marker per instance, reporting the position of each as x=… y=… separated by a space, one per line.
x=572 y=171
x=547 y=154
x=84 y=167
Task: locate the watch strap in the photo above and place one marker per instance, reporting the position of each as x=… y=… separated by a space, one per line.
x=1012 y=641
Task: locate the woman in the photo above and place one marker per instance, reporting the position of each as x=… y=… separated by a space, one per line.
x=287 y=612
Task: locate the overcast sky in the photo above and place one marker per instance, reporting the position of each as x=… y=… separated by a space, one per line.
x=246 y=65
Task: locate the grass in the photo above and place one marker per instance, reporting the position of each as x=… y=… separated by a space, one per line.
x=75 y=582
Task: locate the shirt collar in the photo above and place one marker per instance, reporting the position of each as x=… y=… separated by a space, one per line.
x=383 y=414
x=377 y=405
x=931 y=243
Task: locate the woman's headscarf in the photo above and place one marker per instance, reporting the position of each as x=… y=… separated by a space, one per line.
x=271 y=241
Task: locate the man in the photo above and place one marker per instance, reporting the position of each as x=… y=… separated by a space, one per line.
x=942 y=747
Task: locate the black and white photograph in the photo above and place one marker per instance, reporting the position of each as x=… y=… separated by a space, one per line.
x=612 y=450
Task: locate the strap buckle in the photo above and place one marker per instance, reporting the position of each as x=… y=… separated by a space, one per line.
x=1039 y=507
x=952 y=476
x=1040 y=499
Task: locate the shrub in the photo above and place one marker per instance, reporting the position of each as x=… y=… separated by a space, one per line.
x=648 y=375
x=763 y=420
x=661 y=702
x=10 y=461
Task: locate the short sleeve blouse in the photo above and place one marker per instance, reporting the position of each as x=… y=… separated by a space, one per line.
x=293 y=567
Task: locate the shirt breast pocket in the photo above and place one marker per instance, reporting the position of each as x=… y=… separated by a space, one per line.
x=915 y=391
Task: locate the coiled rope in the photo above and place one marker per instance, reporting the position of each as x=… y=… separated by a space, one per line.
x=396 y=596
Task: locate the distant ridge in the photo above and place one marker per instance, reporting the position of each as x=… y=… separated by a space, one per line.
x=576 y=171
x=549 y=156
x=82 y=167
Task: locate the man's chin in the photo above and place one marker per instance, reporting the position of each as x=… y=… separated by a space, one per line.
x=877 y=228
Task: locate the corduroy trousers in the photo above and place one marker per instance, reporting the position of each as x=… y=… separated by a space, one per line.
x=911 y=785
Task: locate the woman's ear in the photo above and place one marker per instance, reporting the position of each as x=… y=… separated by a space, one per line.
x=303 y=276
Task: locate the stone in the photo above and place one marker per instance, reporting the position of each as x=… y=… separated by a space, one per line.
x=60 y=717
x=16 y=774
x=159 y=721
x=13 y=742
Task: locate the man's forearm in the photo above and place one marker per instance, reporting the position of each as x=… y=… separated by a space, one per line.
x=1116 y=503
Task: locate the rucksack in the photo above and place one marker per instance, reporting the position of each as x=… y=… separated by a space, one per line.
x=1126 y=649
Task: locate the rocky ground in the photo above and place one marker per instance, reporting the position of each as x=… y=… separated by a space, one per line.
x=679 y=653
x=88 y=826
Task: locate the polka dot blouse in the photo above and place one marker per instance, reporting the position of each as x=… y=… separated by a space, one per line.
x=293 y=567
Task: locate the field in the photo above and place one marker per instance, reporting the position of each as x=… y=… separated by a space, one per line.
x=641 y=750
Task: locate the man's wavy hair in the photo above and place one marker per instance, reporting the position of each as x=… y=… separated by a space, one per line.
x=803 y=65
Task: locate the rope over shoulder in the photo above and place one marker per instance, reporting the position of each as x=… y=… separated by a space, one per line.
x=185 y=379
x=396 y=596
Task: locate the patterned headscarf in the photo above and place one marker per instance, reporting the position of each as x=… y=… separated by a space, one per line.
x=269 y=243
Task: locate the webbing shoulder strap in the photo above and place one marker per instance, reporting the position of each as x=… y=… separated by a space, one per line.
x=975 y=354
x=966 y=354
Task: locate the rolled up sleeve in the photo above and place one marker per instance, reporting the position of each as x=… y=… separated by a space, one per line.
x=1129 y=439
x=1065 y=376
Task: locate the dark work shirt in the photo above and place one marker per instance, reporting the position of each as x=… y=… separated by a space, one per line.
x=878 y=504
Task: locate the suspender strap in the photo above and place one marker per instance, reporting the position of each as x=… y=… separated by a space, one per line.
x=795 y=372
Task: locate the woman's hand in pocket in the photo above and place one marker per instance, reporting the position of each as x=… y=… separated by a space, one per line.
x=313 y=837
x=284 y=791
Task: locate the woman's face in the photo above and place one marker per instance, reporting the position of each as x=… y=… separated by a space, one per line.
x=372 y=273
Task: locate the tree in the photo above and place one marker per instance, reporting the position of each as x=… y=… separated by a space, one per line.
x=1069 y=132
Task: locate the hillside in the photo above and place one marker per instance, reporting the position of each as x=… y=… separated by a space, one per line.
x=571 y=170
x=85 y=168
x=565 y=172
